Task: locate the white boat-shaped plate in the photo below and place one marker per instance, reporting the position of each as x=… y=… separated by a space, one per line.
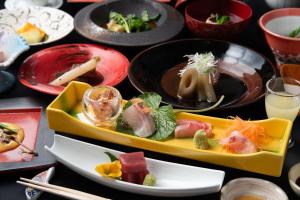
x=55 y=23
x=173 y=180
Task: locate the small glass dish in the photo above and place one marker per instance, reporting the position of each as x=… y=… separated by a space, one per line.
x=294 y=174
x=102 y=105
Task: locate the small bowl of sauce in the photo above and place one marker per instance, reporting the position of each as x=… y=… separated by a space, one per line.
x=252 y=189
x=294 y=178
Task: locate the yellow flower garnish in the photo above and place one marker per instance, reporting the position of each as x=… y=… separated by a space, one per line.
x=112 y=170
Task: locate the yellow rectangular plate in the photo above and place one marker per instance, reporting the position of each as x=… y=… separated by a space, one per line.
x=61 y=114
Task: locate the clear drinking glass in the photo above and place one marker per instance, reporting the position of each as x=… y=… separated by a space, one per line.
x=102 y=105
x=282 y=98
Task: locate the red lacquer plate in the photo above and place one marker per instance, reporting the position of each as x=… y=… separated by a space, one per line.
x=38 y=70
x=28 y=120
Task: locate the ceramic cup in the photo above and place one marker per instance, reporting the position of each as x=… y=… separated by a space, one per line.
x=294 y=174
x=277 y=25
x=34 y=2
x=252 y=187
x=282 y=3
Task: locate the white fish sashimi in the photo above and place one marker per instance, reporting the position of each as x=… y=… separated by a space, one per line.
x=141 y=122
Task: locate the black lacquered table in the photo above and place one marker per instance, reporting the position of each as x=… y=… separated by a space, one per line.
x=252 y=38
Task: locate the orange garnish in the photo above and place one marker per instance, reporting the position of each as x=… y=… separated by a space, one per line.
x=254 y=132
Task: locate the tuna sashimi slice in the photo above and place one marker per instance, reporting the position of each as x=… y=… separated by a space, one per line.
x=133 y=162
x=188 y=128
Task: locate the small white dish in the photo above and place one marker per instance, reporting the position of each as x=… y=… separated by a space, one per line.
x=294 y=174
x=15 y=4
x=12 y=45
x=252 y=187
x=56 y=23
x=173 y=180
x=282 y=3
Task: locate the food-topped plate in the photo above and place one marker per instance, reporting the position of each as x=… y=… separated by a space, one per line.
x=26 y=115
x=173 y=131
x=172 y=179
x=14 y=4
x=111 y=68
x=240 y=76
x=92 y=21
x=38 y=25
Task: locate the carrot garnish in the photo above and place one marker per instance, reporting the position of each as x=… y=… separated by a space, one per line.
x=252 y=131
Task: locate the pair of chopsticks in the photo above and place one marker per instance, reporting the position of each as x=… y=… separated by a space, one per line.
x=59 y=191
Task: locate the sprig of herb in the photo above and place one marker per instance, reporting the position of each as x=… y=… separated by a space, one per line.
x=295 y=32
x=222 y=19
x=132 y=23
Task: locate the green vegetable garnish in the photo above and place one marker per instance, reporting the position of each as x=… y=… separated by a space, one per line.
x=200 y=140
x=222 y=19
x=111 y=156
x=3 y=126
x=132 y=23
x=295 y=32
x=164 y=117
x=149 y=180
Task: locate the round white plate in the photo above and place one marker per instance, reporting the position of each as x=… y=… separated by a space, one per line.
x=56 y=23
x=14 y=4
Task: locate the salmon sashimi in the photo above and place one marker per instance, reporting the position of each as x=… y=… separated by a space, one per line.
x=188 y=128
x=238 y=143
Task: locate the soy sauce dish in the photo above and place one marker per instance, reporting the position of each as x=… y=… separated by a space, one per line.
x=91 y=22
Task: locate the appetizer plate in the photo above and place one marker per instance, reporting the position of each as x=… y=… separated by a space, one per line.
x=63 y=115
x=90 y=20
x=15 y=4
x=56 y=23
x=27 y=113
x=111 y=69
x=243 y=72
x=173 y=180
x=12 y=45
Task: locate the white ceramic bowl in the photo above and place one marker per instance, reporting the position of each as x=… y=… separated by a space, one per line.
x=252 y=186
x=282 y=3
x=294 y=173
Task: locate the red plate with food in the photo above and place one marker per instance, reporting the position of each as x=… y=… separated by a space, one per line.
x=18 y=134
x=49 y=70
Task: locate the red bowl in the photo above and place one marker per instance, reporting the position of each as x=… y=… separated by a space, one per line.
x=276 y=25
x=196 y=13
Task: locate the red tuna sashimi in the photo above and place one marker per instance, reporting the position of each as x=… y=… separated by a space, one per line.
x=238 y=143
x=188 y=128
x=137 y=178
x=133 y=162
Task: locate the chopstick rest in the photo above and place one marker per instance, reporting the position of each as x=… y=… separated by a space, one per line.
x=44 y=177
x=59 y=190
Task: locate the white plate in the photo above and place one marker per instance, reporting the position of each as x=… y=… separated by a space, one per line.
x=12 y=45
x=173 y=180
x=14 y=4
x=56 y=23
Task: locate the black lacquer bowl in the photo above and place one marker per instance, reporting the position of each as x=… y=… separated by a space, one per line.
x=90 y=22
x=242 y=72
